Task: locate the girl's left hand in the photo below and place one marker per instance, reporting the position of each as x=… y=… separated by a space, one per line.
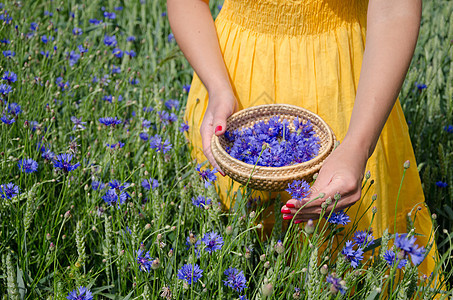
x=342 y=172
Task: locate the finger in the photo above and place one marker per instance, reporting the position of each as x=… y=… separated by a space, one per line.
x=206 y=136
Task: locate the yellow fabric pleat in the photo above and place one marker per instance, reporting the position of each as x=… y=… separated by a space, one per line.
x=309 y=53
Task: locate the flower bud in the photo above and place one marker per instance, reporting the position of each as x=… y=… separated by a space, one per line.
x=267 y=265
x=248 y=253
x=279 y=248
x=337 y=196
x=322 y=195
x=309 y=227
x=48 y=236
x=155 y=264
x=434 y=216
x=229 y=230
x=148 y=226
x=367 y=175
x=328 y=201
x=170 y=253
x=407 y=164
x=267 y=289
x=262 y=257
x=252 y=215
x=374 y=209
x=324 y=270
x=374 y=197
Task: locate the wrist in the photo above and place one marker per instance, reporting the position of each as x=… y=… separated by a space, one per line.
x=361 y=148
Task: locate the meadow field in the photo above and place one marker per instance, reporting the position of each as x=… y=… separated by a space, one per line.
x=100 y=199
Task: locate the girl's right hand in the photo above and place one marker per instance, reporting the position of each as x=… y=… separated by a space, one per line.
x=222 y=104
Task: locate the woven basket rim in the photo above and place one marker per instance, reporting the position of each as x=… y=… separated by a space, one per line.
x=310 y=163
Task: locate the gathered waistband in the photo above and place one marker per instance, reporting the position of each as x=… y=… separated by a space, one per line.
x=294 y=17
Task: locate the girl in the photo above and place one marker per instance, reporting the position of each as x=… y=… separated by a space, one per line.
x=312 y=53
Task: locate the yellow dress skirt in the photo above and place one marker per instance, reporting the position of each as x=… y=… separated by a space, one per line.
x=309 y=53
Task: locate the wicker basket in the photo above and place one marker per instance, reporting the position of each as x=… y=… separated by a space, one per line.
x=272 y=178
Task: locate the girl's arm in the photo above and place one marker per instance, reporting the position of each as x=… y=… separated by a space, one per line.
x=392 y=31
x=193 y=27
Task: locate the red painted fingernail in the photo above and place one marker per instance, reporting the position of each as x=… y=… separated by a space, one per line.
x=288 y=217
x=221 y=173
x=297 y=221
x=290 y=205
x=218 y=128
x=285 y=211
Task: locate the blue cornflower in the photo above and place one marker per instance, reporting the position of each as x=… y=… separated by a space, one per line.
x=77 y=31
x=156 y=143
x=146 y=123
x=73 y=58
x=112 y=198
x=97 y=185
x=184 y=127
x=213 y=241
x=207 y=175
x=63 y=162
x=448 y=128
x=131 y=53
x=353 y=256
x=82 y=293
x=116 y=145
x=109 y=15
x=109 y=121
x=337 y=284
x=62 y=85
x=186 y=88
x=420 y=86
x=27 y=165
x=46 y=39
x=78 y=124
x=118 y=8
x=46 y=54
x=235 y=279
x=14 y=108
x=7 y=121
x=110 y=41
x=5 y=89
x=172 y=104
x=441 y=184
x=171 y=38
x=117 y=52
x=243 y=298
x=131 y=38
x=408 y=246
x=82 y=49
x=144 y=261
x=48 y=13
x=95 y=21
x=9 y=53
x=117 y=185
x=33 y=26
x=299 y=189
x=48 y=155
x=363 y=238
x=390 y=258
x=144 y=136
x=116 y=70
x=10 y=76
x=201 y=201
x=149 y=184
x=108 y=98
x=148 y=109
x=190 y=273
x=9 y=190
x=338 y=218
x=134 y=81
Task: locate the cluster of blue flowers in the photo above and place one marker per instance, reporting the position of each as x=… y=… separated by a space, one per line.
x=339 y=218
x=10 y=110
x=144 y=260
x=275 y=141
x=298 y=189
x=116 y=194
x=190 y=273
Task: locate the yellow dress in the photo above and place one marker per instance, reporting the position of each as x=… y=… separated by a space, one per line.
x=309 y=53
